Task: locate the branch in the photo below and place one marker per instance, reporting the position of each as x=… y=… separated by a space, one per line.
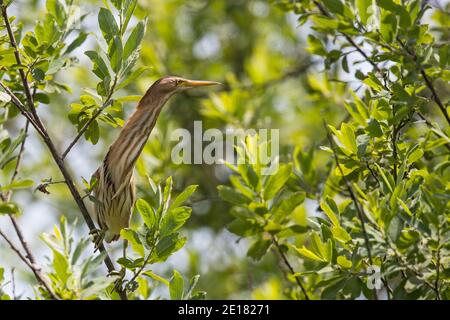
x=34 y=268
x=88 y=123
x=428 y=82
x=26 y=87
x=348 y=38
x=19 y=159
x=288 y=265
x=32 y=261
x=359 y=209
x=143 y=265
x=15 y=100
x=37 y=124
x=84 y=128
x=430 y=125
x=67 y=177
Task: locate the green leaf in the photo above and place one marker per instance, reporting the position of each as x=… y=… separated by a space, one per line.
x=335 y=6
x=315 y=46
x=128 y=10
x=329 y=212
x=134 y=240
x=348 y=138
x=100 y=69
x=57 y=9
x=76 y=43
x=285 y=208
x=374 y=128
x=42 y=98
x=276 y=181
x=156 y=277
x=324 y=250
x=415 y=155
x=232 y=196
x=9 y=208
x=134 y=40
x=192 y=285
x=176 y=287
x=344 y=262
x=93 y=132
x=168 y=245
x=61 y=266
x=117 y=4
x=183 y=196
x=340 y=234
x=147 y=213
x=363 y=10
x=38 y=74
x=174 y=219
x=115 y=53
x=19 y=184
x=309 y=254
x=243 y=227
x=405 y=207
x=373 y=82
x=259 y=248
x=132 y=77
x=107 y=24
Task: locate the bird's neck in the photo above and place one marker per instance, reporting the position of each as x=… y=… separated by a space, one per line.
x=125 y=151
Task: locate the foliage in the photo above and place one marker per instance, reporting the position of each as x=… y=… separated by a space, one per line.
x=357 y=207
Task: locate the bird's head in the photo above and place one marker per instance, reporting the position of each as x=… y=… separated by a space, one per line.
x=172 y=84
x=164 y=88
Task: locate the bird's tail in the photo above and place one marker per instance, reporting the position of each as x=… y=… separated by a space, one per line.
x=110 y=237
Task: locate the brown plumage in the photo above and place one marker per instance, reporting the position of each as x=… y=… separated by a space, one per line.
x=115 y=190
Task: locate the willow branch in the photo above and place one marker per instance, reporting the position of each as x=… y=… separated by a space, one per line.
x=289 y=266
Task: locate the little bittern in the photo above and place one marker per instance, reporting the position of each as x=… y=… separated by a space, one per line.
x=115 y=190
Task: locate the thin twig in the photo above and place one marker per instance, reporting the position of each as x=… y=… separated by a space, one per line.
x=428 y=82
x=359 y=210
x=88 y=123
x=26 y=87
x=15 y=100
x=143 y=265
x=7 y=198
x=35 y=269
x=19 y=159
x=351 y=192
x=430 y=125
x=348 y=38
x=291 y=269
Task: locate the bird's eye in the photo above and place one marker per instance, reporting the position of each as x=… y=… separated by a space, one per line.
x=177 y=82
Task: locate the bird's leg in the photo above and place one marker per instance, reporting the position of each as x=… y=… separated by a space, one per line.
x=97 y=237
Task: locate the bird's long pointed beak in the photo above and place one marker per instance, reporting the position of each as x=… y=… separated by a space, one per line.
x=199 y=83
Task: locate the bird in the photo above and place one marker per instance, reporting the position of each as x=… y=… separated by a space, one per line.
x=114 y=191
